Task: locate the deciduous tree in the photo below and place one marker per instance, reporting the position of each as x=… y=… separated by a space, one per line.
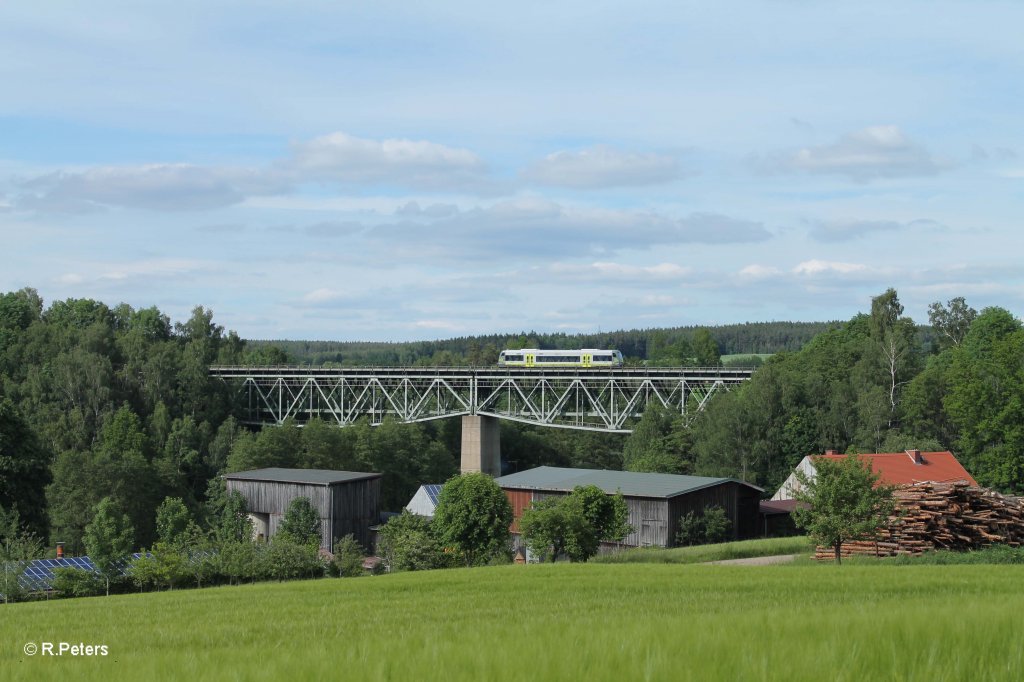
x=109 y=540
x=301 y=522
x=842 y=501
x=473 y=517
x=575 y=524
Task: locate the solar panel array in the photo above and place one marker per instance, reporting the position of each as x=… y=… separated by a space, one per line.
x=39 y=572
x=433 y=492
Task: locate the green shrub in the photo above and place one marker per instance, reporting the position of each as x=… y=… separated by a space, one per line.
x=717 y=526
x=238 y=560
x=691 y=530
x=711 y=527
x=996 y=554
x=77 y=582
x=348 y=558
x=285 y=559
x=409 y=543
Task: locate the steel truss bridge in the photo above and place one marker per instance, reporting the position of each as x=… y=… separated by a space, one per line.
x=604 y=399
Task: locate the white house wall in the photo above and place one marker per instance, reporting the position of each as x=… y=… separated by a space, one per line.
x=791 y=484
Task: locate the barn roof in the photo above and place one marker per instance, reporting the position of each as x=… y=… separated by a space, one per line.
x=630 y=483
x=302 y=476
x=904 y=468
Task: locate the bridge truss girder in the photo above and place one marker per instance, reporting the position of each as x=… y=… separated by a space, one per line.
x=607 y=400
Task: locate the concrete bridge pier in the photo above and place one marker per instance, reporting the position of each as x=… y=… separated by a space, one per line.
x=481 y=445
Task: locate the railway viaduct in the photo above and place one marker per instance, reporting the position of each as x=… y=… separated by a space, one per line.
x=606 y=399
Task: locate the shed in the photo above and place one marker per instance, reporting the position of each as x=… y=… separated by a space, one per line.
x=424 y=502
x=347 y=501
x=656 y=501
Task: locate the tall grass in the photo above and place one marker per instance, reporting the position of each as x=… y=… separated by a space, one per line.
x=549 y=622
x=743 y=549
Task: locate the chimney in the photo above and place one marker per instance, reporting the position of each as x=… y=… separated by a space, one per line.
x=915 y=455
x=831 y=452
x=60 y=550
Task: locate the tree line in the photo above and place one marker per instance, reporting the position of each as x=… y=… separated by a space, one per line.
x=873 y=384
x=678 y=344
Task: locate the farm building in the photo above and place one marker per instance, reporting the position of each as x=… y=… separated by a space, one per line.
x=424 y=502
x=347 y=501
x=656 y=501
x=896 y=468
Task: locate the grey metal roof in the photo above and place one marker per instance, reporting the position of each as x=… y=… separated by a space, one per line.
x=304 y=476
x=630 y=483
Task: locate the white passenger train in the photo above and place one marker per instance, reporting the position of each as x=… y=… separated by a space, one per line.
x=586 y=357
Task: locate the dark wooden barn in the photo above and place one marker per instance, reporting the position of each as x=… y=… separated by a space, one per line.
x=656 y=501
x=348 y=501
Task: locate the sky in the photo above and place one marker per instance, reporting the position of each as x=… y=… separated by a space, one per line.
x=382 y=171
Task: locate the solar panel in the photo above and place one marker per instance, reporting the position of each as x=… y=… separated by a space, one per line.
x=433 y=492
x=38 y=573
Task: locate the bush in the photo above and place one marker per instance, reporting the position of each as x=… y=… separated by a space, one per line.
x=691 y=530
x=238 y=560
x=995 y=554
x=301 y=522
x=574 y=524
x=408 y=543
x=77 y=582
x=285 y=559
x=162 y=566
x=348 y=558
x=717 y=526
x=711 y=527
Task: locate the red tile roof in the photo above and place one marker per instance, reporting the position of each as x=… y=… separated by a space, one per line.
x=900 y=468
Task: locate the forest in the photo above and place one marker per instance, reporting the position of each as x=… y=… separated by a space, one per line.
x=99 y=401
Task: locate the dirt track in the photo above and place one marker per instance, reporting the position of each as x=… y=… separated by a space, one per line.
x=757 y=560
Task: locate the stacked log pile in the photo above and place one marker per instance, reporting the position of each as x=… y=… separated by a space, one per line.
x=942 y=516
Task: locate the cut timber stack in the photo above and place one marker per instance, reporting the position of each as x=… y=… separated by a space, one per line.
x=942 y=516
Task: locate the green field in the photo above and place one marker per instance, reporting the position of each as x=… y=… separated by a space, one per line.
x=718 y=552
x=550 y=622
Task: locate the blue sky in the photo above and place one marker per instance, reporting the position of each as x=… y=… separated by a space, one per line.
x=333 y=170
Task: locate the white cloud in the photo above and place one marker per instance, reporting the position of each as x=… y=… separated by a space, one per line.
x=435 y=324
x=845 y=230
x=868 y=154
x=187 y=187
x=134 y=272
x=339 y=157
x=618 y=272
x=602 y=166
x=544 y=229
x=820 y=267
x=323 y=298
x=71 y=278
x=756 y=271
x=162 y=187
x=413 y=209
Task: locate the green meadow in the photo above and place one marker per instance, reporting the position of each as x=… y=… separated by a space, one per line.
x=743 y=549
x=549 y=622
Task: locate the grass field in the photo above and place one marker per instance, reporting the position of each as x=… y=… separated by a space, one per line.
x=550 y=622
x=704 y=553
